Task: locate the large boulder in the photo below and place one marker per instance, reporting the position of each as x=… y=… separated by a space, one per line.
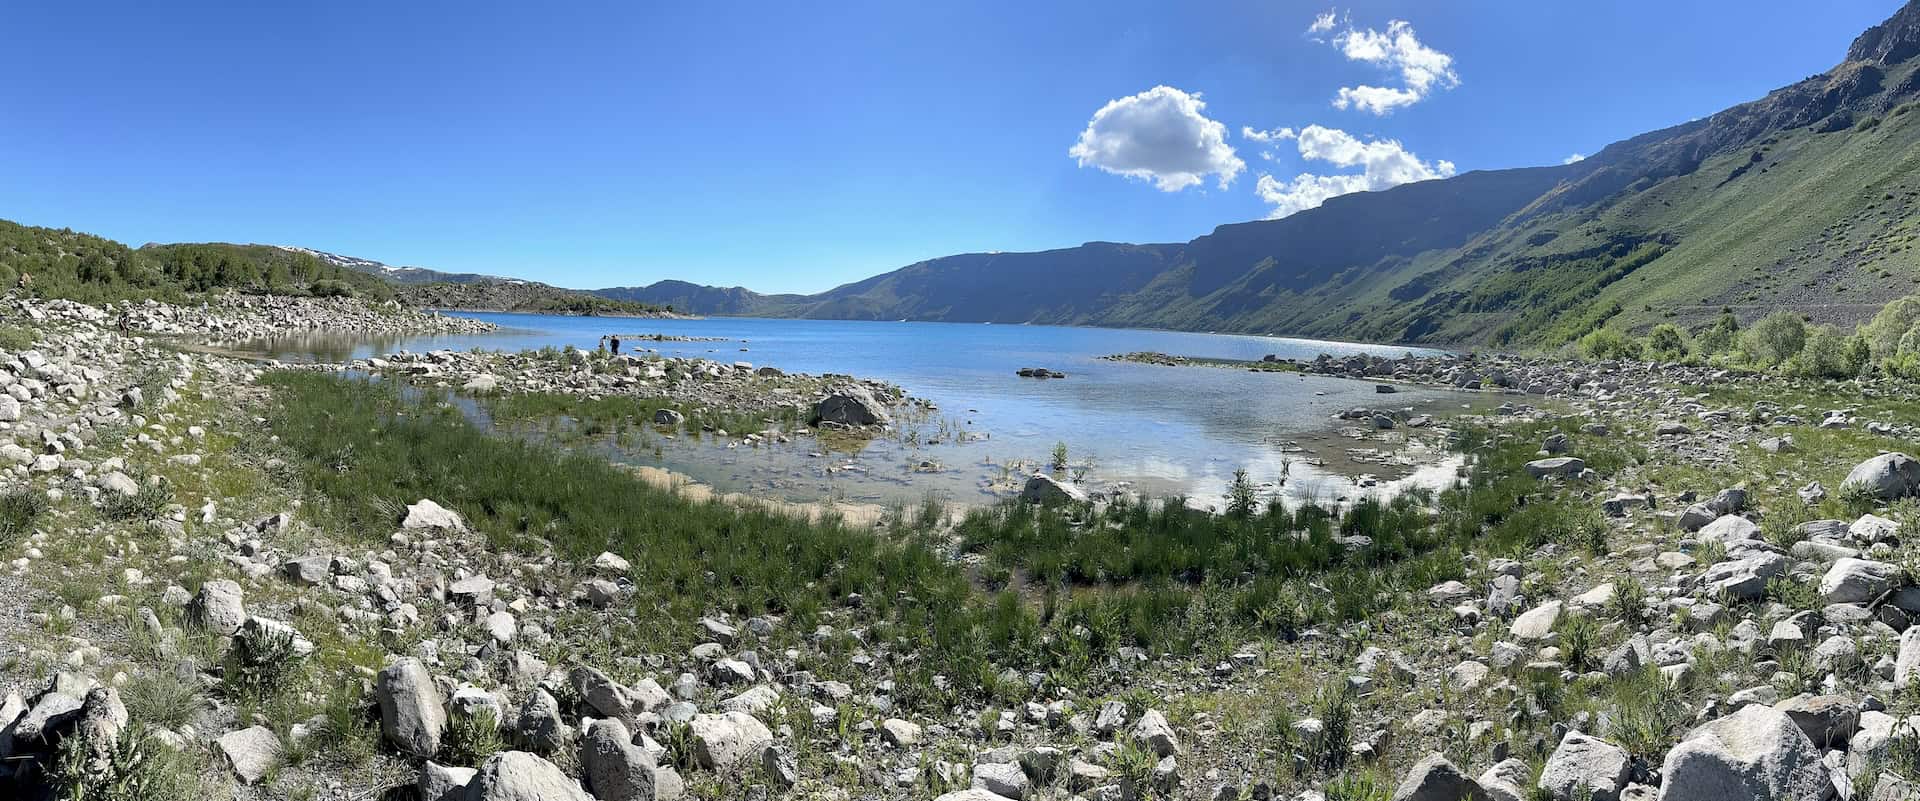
x=1538 y=622
x=1585 y=769
x=1045 y=489
x=1002 y=779
x=412 y=716
x=1729 y=528
x=1887 y=477
x=1745 y=578
x=1436 y=779
x=1827 y=720
x=427 y=514
x=1857 y=581
x=1906 y=662
x=250 y=753
x=444 y=782
x=1556 y=466
x=1156 y=733
x=520 y=776
x=218 y=607
x=852 y=406
x=727 y=740
x=1757 y=752
x=613 y=767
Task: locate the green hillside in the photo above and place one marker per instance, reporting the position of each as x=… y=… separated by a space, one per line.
x=62 y=263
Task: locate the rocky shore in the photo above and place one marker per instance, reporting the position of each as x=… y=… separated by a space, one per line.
x=1735 y=619
x=692 y=383
x=233 y=317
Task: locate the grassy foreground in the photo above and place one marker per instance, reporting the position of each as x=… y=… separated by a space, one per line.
x=1159 y=578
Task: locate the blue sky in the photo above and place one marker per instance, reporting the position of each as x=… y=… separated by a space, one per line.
x=791 y=148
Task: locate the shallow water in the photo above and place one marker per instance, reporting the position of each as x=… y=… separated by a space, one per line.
x=1161 y=430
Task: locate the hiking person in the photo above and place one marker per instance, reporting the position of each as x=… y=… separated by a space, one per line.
x=616 y=345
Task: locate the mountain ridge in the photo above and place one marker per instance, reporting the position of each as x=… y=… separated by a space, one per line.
x=1456 y=267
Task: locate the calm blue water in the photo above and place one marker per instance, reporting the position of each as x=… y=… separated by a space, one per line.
x=1162 y=429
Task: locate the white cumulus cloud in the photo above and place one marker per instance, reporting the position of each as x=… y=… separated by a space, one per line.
x=1421 y=69
x=1383 y=163
x=1256 y=135
x=1159 y=135
x=1322 y=23
x=1573 y=158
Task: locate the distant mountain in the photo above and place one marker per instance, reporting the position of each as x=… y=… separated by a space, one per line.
x=1803 y=199
x=683 y=296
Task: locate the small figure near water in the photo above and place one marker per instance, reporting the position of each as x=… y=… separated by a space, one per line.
x=616 y=345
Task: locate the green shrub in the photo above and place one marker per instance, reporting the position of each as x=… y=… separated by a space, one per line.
x=331 y=288
x=1720 y=337
x=1607 y=343
x=134 y=767
x=262 y=663
x=1773 y=340
x=15 y=338
x=473 y=738
x=1829 y=354
x=1894 y=320
x=1667 y=343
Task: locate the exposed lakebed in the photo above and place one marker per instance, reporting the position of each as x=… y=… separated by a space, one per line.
x=1159 y=430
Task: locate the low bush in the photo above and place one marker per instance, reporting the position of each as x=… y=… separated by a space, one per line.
x=1608 y=343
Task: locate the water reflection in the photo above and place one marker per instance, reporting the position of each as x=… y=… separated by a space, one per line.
x=1161 y=430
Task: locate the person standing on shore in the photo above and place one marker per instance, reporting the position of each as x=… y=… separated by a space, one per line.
x=616 y=345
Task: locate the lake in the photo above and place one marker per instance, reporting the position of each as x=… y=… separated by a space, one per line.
x=1161 y=430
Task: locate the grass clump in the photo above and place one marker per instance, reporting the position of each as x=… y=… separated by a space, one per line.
x=20 y=509
x=262 y=663
x=134 y=767
x=160 y=698
x=472 y=738
x=150 y=502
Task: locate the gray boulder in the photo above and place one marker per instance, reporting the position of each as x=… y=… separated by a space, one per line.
x=852 y=406
x=1829 y=721
x=540 y=725
x=1585 y=769
x=613 y=767
x=1757 y=752
x=1729 y=528
x=1854 y=581
x=1556 y=466
x=427 y=514
x=727 y=740
x=1153 y=730
x=1436 y=779
x=520 y=776
x=444 y=782
x=218 y=607
x=249 y=752
x=1887 y=477
x=1906 y=661
x=1745 y=578
x=1045 y=489
x=412 y=716
x=1537 y=622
